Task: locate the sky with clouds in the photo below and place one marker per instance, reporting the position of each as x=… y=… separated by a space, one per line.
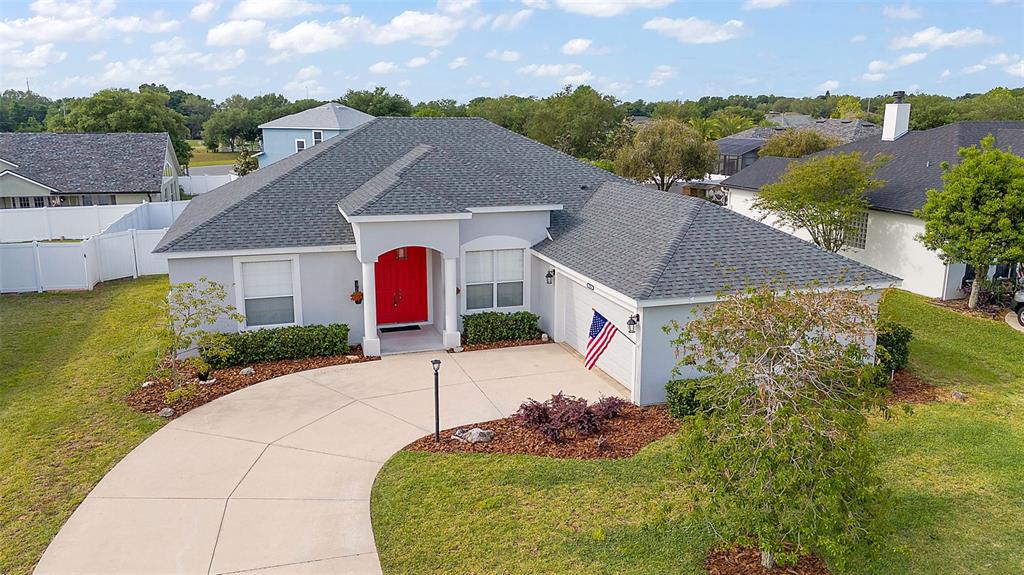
x=650 y=49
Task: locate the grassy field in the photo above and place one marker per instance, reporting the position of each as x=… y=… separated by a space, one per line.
x=66 y=360
x=956 y=470
x=203 y=157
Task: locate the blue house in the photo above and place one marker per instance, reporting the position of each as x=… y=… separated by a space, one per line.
x=285 y=136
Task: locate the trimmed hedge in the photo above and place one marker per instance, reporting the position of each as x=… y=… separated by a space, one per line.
x=683 y=398
x=492 y=326
x=295 y=342
x=892 y=346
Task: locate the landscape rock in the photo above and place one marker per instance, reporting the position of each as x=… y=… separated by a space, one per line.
x=166 y=412
x=246 y=371
x=146 y=384
x=475 y=435
x=958 y=395
x=351 y=357
x=544 y=337
x=457 y=349
x=210 y=381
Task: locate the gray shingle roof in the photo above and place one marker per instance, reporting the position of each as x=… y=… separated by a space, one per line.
x=734 y=146
x=649 y=244
x=89 y=163
x=914 y=167
x=843 y=130
x=330 y=116
x=644 y=243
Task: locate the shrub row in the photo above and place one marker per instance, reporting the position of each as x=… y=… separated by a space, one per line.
x=492 y=326
x=295 y=342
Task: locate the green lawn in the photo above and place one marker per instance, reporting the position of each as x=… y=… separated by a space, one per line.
x=66 y=360
x=203 y=157
x=957 y=473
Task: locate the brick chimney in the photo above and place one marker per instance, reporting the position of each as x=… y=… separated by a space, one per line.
x=897 y=118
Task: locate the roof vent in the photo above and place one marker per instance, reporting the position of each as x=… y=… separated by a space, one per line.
x=583 y=187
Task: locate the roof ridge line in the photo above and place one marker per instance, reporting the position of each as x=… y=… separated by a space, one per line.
x=390 y=175
x=331 y=143
x=652 y=281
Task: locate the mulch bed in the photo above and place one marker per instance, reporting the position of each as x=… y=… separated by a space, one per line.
x=983 y=311
x=151 y=399
x=619 y=437
x=908 y=388
x=746 y=561
x=500 y=344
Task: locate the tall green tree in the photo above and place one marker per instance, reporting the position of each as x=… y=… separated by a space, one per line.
x=779 y=444
x=440 y=108
x=575 y=121
x=824 y=195
x=125 y=111
x=796 y=143
x=23 y=111
x=665 y=151
x=231 y=126
x=847 y=107
x=511 y=112
x=978 y=215
x=377 y=102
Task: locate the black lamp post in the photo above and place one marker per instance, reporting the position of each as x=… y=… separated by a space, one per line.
x=436 y=363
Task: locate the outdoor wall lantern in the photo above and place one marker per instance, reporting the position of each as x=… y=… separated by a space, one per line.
x=633 y=321
x=549 y=277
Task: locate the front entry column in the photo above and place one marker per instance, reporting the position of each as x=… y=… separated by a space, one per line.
x=371 y=342
x=452 y=337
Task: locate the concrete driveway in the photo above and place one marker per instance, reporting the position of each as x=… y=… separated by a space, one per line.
x=1011 y=320
x=276 y=478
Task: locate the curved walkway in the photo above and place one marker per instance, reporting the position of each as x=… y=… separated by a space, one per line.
x=1011 y=320
x=276 y=478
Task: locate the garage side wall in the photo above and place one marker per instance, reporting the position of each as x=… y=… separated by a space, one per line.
x=542 y=295
x=658 y=356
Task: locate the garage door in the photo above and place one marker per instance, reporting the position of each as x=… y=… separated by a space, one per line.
x=580 y=303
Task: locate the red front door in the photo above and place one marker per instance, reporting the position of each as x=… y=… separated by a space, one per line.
x=402 y=286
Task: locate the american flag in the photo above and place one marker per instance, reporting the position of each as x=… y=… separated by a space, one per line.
x=601 y=333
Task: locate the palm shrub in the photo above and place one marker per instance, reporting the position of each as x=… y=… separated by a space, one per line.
x=779 y=444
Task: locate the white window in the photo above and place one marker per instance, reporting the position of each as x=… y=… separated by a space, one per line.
x=39 y=202
x=86 y=200
x=268 y=292
x=300 y=145
x=23 y=202
x=318 y=136
x=494 y=279
x=858 y=234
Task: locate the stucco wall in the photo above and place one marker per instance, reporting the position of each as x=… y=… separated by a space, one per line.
x=279 y=143
x=890 y=246
x=326 y=282
x=542 y=295
x=530 y=226
x=657 y=354
x=13 y=186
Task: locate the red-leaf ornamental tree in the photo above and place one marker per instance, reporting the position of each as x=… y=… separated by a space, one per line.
x=778 y=441
x=978 y=215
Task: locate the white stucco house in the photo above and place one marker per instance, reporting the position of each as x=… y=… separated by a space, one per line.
x=292 y=134
x=887 y=239
x=436 y=218
x=69 y=169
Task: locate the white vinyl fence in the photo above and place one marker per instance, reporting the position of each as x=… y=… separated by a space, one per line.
x=124 y=249
x=65 y=222
x=195 y=185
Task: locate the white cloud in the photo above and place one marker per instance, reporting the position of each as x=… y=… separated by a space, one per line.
x=504 y=55
x=1015 y=69
x=383 y=68
x=460 y=62
x=876 y=66
x=308 y=38
x=872 y=77
x=858 y=38
x=577 y=79
x=998 y=59
x=74 y=9
x=236 y=33
x=904 y=12
x=974 y=69
x=83 y=21
x=304 y=84
x=433 y=53
x=203 y=10
x=542 y=70
x=98 y=56
x=763 y=4
x=456 y=6
x=1012 y=65
x=694 y=30
x=660 y=75
x=417 y=62
x=272 y=9
x=307 y=73
x=418 y=27
x=478 y=81
x=37 y=58
x=576 y=46
x=945 y=74
x=171 y=46
x=510 y=20
x=827 y=86
x=219 y=62
x=536 y=4
x=934 y=38
x=607 y=8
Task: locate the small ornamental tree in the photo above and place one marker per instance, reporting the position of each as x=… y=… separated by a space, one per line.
x=978 y=215
x=823 y=195
x=779 y=442
x=796 y=143
x=246 y=163
x=665 y=151
x=191 y=310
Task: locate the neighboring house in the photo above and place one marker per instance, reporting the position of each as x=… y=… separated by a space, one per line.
x=788 y=119
x=59 y=169
x=887 y=238
x=740 y=150
x=285 y=136
x=435 y=218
